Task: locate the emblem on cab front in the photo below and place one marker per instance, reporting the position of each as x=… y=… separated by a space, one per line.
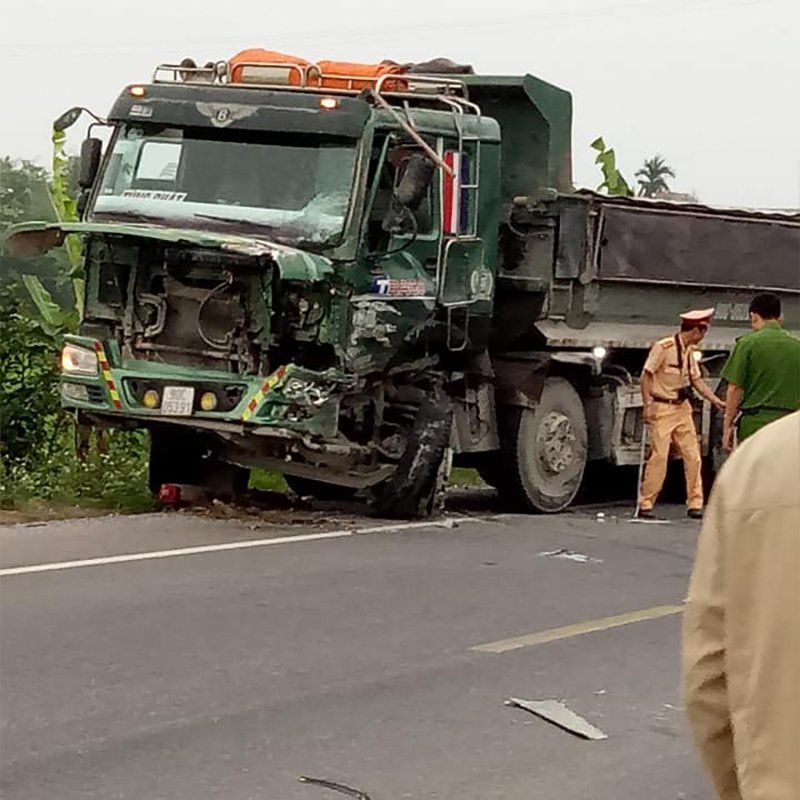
x=221 y=115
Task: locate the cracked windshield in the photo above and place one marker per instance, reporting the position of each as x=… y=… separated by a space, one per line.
x=295 y=189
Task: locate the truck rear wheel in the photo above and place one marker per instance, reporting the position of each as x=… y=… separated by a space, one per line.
x=416 y=488
x=543 y=450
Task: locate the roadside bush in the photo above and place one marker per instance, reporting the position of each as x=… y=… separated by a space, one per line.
x=28 y=384
x=38 y=461
x=114 y=480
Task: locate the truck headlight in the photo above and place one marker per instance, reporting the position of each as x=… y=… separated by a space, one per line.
x=78 y=360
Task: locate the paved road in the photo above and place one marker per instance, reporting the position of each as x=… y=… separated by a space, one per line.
x=324 y=650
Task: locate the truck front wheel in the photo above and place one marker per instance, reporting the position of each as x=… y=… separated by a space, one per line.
x=543 y=450
x=416 y=488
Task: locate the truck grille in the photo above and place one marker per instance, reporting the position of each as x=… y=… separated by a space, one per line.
x=228 y=395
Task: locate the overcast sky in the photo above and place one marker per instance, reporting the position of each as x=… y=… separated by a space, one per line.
x=709 y=84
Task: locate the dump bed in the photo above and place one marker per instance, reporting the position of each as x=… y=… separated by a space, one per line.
x=535 y=118
x=618 y=271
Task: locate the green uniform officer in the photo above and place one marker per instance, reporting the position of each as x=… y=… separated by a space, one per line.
x=763 y=372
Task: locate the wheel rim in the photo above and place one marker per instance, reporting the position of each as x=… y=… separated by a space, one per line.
x=555 y=443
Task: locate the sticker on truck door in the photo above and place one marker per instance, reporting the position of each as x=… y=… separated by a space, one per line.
x=399 y=287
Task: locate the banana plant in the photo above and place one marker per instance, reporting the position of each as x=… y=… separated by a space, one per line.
x=56 y=321
x=613 y=182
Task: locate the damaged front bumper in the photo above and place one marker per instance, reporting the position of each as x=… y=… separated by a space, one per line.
x=290 y=400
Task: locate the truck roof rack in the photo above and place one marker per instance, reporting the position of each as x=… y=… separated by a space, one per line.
x=401 y=88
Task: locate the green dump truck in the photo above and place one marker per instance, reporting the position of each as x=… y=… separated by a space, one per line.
x=357 y=286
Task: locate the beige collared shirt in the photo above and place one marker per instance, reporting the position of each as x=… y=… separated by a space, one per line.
x=741 y=625
x=672 y=367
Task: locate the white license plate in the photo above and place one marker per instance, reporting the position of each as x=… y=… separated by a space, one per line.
x=177 y=401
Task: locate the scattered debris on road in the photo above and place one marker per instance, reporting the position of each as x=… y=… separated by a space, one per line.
x=570 y=555
x=559 y=715
x=335 y=787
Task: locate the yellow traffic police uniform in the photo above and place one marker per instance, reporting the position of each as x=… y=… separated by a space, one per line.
x=672 y=367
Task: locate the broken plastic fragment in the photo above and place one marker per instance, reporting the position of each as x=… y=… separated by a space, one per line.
x=569 y=555
x=558 y=714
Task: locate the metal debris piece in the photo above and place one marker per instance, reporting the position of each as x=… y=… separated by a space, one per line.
x=558 y=714
x=641 y=521
x=335 y=787
x=570 y=555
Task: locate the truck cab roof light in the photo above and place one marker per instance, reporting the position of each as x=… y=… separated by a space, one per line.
x=329 y=103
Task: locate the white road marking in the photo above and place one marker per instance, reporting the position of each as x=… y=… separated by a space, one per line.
x=214 y=548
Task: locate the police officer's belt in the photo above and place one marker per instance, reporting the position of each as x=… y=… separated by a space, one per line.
x=676 y=402
x=768 y=409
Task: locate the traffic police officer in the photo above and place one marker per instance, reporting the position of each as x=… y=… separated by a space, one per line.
x=670 y=372
x=763 y=372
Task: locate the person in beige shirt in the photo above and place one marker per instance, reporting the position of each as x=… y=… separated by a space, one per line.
x=669 y=375
x=741 y=624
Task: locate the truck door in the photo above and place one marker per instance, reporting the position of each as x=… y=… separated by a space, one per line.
x=465 y=284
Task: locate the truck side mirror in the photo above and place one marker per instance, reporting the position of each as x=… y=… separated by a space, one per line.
x=410 y=193
x=67 y=119
x=91 y=150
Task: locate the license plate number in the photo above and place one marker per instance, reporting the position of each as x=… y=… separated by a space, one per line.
x=177 y=401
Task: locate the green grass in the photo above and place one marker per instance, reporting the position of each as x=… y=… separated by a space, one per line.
x=267 y=480
x=114 y=480
x=467 y=478
x=270 y=481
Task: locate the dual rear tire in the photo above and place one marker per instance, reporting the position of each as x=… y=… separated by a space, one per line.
x=543 y=452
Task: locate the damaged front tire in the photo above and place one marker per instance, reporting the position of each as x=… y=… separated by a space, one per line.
x=416 y=488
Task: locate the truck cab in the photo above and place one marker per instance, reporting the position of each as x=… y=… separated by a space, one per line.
x=285 y=274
